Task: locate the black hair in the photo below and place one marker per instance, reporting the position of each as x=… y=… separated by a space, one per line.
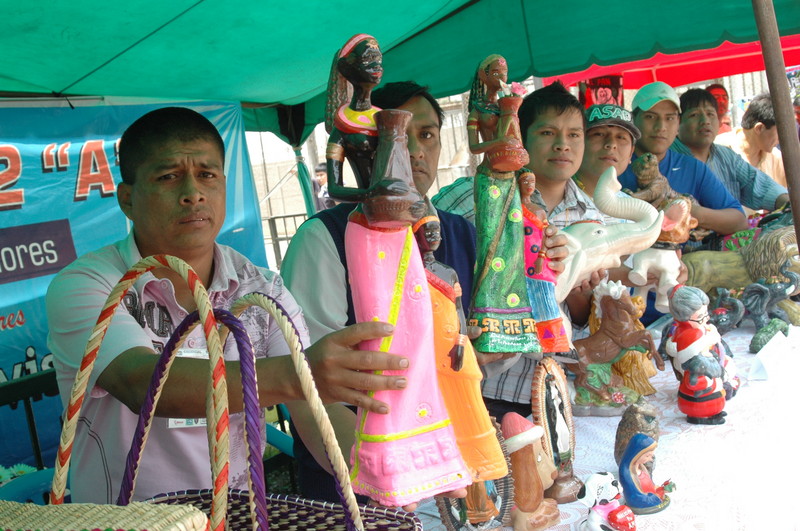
x=716 y=86
x=759 y=110
x=160 y=126
x=695 y=98
x=393 y=95
x=553 y=96
x=320 y=167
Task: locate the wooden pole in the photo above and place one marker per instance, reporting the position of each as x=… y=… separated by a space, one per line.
x=781 y=100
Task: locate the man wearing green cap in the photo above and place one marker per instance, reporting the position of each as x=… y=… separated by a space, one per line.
x=656 y=113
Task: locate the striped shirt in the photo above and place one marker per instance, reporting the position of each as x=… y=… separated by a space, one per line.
x=751 y=186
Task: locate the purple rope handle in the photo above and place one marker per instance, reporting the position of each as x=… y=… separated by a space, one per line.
x=251 y=410
x=349 y=524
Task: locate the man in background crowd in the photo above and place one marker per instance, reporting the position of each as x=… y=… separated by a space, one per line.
x=756 y=140
x=722 y=100
x=320 y=188
x=696 y=134
x=656 y=113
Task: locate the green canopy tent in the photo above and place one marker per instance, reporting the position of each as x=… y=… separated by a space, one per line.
x=275 y=57
x=279 y=53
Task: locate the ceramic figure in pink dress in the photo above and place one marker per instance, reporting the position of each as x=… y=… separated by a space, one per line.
x=410 y=453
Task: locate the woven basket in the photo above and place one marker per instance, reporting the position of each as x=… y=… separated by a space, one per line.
x=250 y=509
x=137 y=515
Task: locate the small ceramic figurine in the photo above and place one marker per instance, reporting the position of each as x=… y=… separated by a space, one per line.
x=653 y=187
x=493 y=125
x=551 y=409
x=641 y=494
x=601 y=494
x=533 y=511
x=694 y=348
x=456 y=364
x=761 y=298
x=641 y=417
x=540 y=278
x=769 y=255
x=726 y=311
x=357 y=67
x=500 y=303
x=636 y=366
x=410 y=453
x=663 y=258
x=599 y=390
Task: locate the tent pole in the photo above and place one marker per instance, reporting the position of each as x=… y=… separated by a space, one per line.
x=767 y=26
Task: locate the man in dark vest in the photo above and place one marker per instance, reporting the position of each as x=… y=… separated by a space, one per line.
x=315 y=270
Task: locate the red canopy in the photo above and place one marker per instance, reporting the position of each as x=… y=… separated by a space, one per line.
x=689 y=67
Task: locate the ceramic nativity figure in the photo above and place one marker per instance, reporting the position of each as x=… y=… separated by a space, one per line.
x=457 y=368
x=500 y=303
x=410 y=453
x=641 y=494
x=540 y=279
x=694 y=346
x=552 y=410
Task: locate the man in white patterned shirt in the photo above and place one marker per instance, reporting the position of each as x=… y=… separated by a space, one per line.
x=173 y=190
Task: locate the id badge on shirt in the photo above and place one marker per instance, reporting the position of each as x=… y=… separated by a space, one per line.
x=186 y=352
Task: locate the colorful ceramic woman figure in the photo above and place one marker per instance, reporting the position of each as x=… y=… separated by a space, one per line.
x=350 y=120
x=410 y=453
x=541 y=280
x=641 y=494
x=695 y=350
x=456 y=364
x=500 y=301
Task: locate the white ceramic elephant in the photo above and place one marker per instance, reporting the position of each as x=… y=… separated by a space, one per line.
x=663 y=259
x=664 y=263
x=594 y=246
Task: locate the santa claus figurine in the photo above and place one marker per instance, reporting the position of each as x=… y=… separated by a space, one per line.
x=696 y=353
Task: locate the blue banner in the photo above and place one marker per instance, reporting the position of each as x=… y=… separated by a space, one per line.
x=58 y=179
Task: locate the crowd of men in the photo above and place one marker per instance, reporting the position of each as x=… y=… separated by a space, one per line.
x=173 y=191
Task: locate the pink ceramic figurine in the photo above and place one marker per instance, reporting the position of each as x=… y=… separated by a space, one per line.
x=410 y=453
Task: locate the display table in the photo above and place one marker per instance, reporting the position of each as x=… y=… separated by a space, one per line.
x=728 y=477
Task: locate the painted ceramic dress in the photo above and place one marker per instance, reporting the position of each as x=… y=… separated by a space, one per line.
x=410 y=453
x=461 y=389
x=542 y=288
x=500 y=303
x=500 y=298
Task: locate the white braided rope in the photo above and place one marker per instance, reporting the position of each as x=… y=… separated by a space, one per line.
x=311 y=394
x=216 y=402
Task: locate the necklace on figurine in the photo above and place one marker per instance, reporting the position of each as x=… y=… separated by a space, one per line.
x=489 y=107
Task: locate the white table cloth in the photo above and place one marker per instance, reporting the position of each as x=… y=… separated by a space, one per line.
x=735 y=476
